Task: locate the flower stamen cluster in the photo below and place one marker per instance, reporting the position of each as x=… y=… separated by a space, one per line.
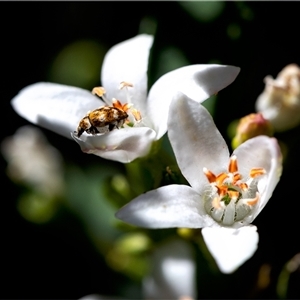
x=231 y=197
x=134 y=115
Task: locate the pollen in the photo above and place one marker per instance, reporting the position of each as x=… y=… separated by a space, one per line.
x=125 y=84
x=99 y=91
x=232 y=197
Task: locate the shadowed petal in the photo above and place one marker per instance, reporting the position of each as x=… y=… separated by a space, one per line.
x=231 y=247
x=128 y=61
x=198 y=82
x=54 y=106
x=196 y=141
x=123 y=145
x=166 y=207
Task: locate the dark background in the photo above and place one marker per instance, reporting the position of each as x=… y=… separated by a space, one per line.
x=57 y=260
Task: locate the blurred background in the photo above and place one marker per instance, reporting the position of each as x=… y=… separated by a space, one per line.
x=67 y=244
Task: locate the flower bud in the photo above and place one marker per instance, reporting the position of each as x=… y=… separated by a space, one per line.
x=280 y=101
x=250 y=126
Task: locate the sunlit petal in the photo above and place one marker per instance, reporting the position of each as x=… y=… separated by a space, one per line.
x=54 y=106
x=231 y=247
x=128 y=61
x=166 y=207
x=198 y=82
x=196 y=141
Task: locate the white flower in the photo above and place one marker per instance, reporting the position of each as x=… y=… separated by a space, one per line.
x=32 y=161
x=173 y=272
x=225 y=193
x=280 y=101
x=60 y=108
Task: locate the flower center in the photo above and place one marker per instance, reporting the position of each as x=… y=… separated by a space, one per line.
x=134 y=116
x=231 y=198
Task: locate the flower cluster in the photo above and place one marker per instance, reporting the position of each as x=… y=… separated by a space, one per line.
x=120 y=120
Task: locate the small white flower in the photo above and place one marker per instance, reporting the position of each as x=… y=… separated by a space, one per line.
x=280 y=101
x=32 y=161
x=173 y=272
x=225 y=193
x=124 y=78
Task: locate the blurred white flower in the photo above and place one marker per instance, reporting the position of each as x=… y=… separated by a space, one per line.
x=280 y=101
x=225 y=193
x=142 y=117
x=32 y=161
x=173 y=272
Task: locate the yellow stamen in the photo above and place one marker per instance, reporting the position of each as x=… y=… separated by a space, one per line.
x=125 y=84
x=99 y=91
x=137 y=115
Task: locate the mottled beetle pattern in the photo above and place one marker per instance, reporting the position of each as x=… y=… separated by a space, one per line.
x=102 y=120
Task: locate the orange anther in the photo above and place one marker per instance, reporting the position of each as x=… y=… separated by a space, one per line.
x=253 y=201
x=233 y=194
x=257 y=172
x=236 y=177
x=210 y=175
x=243 y=186
x=222 y=190
x=220 y=178
x=233 y=167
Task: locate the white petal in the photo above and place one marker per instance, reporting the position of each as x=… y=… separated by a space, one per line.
x=54 y=106
x=128 y=61
x=123 y=145
x=198 y=82
x=196 y=141
x=166 y=207
x=173 y=272
x=231 y=247
x=261 y=152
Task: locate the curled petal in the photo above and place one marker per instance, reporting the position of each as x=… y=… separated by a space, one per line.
x=167 y=207
x=128 y=61
x=54 y=106
x=261 y=152
x=123 y=145
x=231 y=247
x=198 y=82
x=173 y=272
x=196 y=141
